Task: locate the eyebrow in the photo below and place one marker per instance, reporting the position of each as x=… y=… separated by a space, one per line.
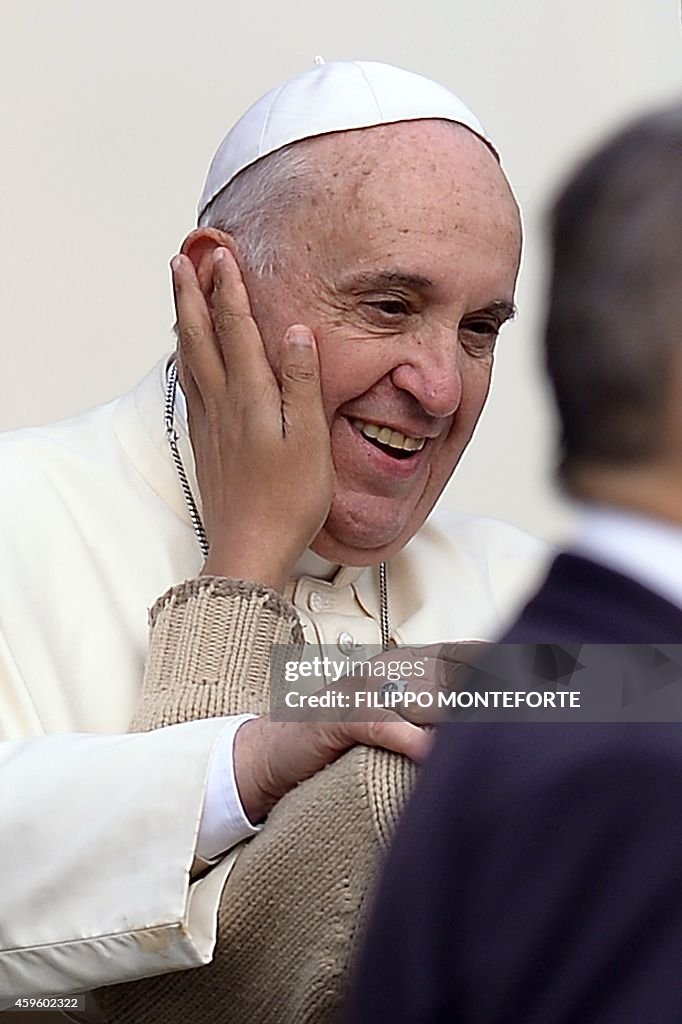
x=387 y=279
x=501 y=308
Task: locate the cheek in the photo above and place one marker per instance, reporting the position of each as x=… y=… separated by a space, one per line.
x=333 y=379
x=349 y=367
x=476 y=380
x=474 y=394
x=275 y=305
x=445 y=463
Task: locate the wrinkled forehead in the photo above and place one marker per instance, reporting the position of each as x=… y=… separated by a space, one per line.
x=408 y=135
x=433 y=170
x=432 y=151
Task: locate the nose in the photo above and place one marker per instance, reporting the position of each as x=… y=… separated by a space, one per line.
x=431 y=373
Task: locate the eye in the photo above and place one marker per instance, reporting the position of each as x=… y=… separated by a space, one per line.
x=389 y=308
x=482 y=327
x=480 y=336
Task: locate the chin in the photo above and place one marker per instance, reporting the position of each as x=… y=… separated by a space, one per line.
x=361 y=543
x=342 y=552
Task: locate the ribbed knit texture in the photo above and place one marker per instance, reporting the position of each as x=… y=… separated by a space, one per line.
x=292 y=910
x=209 y=651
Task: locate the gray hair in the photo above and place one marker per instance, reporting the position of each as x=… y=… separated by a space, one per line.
x=615 y=305
x=254 y=205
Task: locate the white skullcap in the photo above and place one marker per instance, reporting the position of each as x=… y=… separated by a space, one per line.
x=334 y=97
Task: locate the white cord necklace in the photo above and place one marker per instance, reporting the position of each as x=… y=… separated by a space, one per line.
x=172 y=437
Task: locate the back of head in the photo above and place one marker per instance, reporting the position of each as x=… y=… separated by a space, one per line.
x=614 y=322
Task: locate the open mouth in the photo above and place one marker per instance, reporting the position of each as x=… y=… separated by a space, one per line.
x=392 y=442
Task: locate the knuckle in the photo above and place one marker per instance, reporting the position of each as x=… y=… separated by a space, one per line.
x=191 y=335
x=336 y=734
x=226 y=321
x=344 y=734
x=376 y=729
x=300 y=374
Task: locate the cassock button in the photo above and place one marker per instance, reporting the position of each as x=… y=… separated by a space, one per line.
x=346 y=643
x=316 y=602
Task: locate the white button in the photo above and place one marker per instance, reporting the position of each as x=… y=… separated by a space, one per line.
x=346 y=643
x=316 y=602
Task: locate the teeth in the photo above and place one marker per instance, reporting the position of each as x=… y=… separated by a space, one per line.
x=392 y=438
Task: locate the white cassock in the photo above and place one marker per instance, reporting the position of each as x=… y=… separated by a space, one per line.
x=98 y=830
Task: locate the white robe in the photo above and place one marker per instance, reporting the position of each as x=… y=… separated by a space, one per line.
x=98 y=831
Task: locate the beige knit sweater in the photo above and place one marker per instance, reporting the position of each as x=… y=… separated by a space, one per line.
x=293 y=906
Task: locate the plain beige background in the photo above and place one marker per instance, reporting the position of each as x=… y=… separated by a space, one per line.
x=111 y=113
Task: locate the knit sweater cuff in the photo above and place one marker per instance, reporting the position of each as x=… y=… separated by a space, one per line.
x=210 y=649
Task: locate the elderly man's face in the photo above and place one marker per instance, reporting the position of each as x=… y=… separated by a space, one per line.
x=404 y=264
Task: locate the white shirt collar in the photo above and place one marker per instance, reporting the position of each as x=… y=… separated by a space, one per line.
x=648 y=550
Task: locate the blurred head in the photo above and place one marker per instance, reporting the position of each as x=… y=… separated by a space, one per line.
x=614 y=325
x=399 y=246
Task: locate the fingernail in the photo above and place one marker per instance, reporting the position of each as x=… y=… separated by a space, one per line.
x=176 y=263
x=300 y=337
x=218 y=255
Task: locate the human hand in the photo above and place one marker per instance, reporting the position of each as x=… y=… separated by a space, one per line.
x=262 y=451
x=270 y=758
x=418 y=682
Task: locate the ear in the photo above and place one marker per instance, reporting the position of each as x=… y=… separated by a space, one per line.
x=199 y=246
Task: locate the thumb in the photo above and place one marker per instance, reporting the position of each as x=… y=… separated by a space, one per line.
x=390 y=731
x=301 y=388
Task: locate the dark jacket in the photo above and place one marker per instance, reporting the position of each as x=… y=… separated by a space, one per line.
x=537 y=873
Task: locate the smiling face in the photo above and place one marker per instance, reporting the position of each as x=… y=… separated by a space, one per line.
x=403 y=263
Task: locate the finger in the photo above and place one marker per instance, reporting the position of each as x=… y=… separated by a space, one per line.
x=393 y=733
x=193 y=396
x=302 y=407
x=463 y=663
x=419 y=668
x=236 y=330
x=199 y=355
